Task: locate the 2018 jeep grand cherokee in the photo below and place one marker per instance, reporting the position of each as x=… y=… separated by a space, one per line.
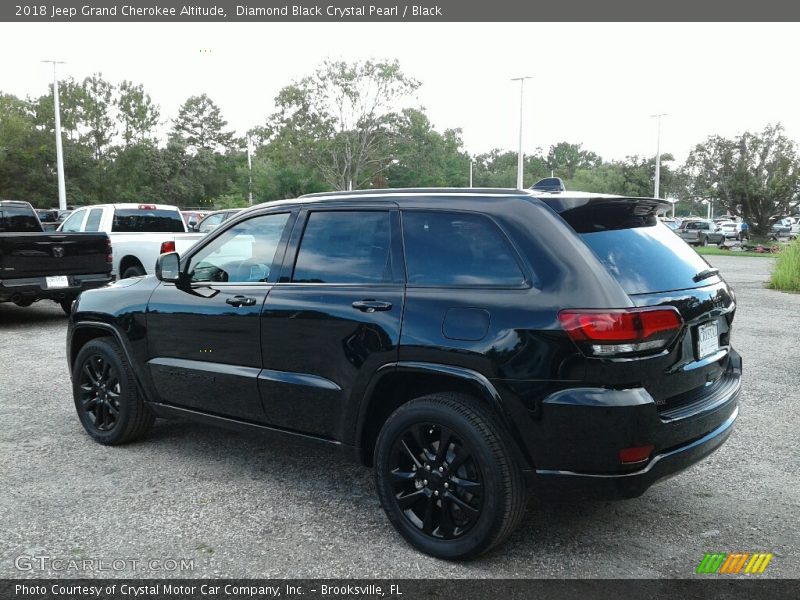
x=472 y=345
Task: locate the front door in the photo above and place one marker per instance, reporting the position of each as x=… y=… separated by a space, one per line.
x=204 y=336
x=333 y=319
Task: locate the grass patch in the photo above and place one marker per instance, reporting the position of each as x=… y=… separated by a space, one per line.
x=786 y=274
x=714 y=251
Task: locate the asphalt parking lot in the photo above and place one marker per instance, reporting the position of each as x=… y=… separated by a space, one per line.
x=241 y=505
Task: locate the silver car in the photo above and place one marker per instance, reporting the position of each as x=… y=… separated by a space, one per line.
x=701 y=232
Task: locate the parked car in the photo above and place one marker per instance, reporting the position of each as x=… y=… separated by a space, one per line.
x=214 y=219
x=35 y=265
x=734 y=230
x=470 y=345
x=138 y=233
x=701 y=232
x=785 y=227
x=192 y=217
x=48 y=218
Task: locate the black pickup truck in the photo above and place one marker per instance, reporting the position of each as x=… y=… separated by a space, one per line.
x=35 y=265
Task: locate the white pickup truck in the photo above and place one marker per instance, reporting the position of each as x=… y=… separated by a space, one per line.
x=138 y=233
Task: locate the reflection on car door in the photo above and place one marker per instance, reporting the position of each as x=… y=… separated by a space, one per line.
x=333 y=319
x=205 y=336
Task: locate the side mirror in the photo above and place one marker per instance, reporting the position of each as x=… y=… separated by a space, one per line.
x=168 y=267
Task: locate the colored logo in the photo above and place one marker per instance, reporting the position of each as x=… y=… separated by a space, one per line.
x=737 y=563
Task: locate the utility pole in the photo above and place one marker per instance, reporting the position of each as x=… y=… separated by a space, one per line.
x=249 y=174
x=521 y=107
x=658 y=153
x=470 y=172
x=62 y=190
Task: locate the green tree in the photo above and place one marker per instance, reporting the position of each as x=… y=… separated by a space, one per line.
x=342 y=119
x=754 y=175
x=423 y=157
x=138 y=113
x=564 y=159
x=499 y=169
x=200 y=125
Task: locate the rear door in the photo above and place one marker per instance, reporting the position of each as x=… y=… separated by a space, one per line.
x=656 y=268
x=334 y=318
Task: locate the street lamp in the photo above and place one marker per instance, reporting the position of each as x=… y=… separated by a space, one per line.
x=519 y=154
x=658 y=152
x=62 y=190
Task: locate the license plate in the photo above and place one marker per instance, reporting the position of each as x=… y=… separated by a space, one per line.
x=707 y=339
x=57 y=281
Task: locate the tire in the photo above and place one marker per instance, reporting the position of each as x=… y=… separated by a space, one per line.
x=104 y=390
x=134 y=271
x=461 y=512
x=704 y=241
x=66 y=305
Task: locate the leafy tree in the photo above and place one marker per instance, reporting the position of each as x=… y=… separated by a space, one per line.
x=200 y=125
x=138 y=114
x=499 y=169
x=755 y=175
x=341 y=120
x=96 y=114
x=423 y=157
x=564 y=159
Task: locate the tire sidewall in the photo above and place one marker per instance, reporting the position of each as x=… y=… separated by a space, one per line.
x=134 y=271
x=480 y=536
x=109 y=353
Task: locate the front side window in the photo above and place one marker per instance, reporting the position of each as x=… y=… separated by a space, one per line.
x=73 y=222
x=243 y=254
x=458 y=249
x=210 y=223
x=346 y=247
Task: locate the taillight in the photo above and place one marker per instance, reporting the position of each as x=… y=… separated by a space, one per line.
x=167 y=247
x=621 y=331
x=147 y=207
x=109 y=252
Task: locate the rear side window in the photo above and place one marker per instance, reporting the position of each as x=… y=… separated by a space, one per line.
x=346 y=247
x=18 y=218
x=135 y=220
x=93 y=220
x=458 y=249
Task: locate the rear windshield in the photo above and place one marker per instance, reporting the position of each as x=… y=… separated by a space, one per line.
x=643 y=254
x=18 y=218
x=648 y=259
x=135 y=220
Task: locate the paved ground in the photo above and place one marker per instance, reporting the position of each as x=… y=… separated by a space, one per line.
x=241 y=506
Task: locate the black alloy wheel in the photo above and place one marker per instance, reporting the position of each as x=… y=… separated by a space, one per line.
x=448 y=476
x=106 y=396
x=437 y=483
x=99 y=393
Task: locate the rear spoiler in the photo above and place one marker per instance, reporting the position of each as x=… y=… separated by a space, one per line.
x=601 y=213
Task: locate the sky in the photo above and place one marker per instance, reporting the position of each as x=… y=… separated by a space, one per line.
x=593 y=83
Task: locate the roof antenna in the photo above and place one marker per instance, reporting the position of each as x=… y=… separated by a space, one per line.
x=549 y=184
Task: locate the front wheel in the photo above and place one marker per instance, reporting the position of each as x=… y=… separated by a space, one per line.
x=704 y=241
x=107 y=400
x=447 y=476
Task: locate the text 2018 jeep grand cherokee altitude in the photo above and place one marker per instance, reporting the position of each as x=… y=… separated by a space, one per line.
x=472 y=345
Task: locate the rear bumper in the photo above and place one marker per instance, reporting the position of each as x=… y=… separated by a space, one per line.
x=583 y=430
x=35 y=288
x=631 y=485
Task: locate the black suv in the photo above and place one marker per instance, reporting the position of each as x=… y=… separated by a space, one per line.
x=472 y=345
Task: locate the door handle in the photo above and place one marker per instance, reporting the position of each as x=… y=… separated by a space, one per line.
x=241 y=301
x=370 y=306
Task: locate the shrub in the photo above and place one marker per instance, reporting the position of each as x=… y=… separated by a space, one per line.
x=786 y=275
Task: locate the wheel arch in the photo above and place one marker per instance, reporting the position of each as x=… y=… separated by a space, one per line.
x=84 y=332
x=127 y=261
x=396 y=384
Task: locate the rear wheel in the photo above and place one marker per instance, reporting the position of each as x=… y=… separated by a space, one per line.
x=134 y=271
x=704 y=241
x=447 y=476
x=108 y=402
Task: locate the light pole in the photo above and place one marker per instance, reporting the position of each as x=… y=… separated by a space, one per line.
x=519 y=154
x=249 y=174
x=658 y=152
x=470 y=172
x=62 y=190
